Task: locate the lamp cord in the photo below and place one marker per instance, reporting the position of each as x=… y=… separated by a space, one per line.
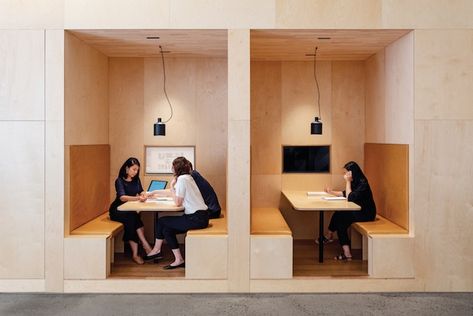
x=164 y=84
x=316 y=81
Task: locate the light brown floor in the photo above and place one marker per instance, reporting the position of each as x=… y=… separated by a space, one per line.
x=306 y=261
x=124 y=267
x=306 y=264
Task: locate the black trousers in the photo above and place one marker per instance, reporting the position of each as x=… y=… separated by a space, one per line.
x=131 y=221
x=168 y=227
x=340 y=222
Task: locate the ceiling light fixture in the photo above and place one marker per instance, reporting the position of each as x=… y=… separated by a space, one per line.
x=316 y=125
x=159 y=128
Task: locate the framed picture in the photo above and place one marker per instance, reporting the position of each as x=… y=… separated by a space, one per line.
x=158 y=159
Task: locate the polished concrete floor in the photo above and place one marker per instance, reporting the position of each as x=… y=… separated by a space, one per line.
x=238 y=304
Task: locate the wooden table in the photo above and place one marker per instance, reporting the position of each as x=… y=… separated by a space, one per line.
x=300 y=201
x=157 y=205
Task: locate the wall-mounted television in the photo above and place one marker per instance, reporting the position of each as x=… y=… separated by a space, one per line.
x=306 y=159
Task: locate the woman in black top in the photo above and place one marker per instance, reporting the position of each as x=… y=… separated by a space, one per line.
x=128 y=187
x=357 y=190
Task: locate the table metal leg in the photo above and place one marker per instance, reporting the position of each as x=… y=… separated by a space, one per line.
x=321 y=236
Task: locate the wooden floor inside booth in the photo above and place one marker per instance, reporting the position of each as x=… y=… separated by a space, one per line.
x=125 y=268
x=306 y=261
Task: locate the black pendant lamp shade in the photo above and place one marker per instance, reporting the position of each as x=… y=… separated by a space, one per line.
x=159 y=128
x=316 y=127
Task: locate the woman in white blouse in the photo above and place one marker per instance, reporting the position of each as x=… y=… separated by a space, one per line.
x=196 y=216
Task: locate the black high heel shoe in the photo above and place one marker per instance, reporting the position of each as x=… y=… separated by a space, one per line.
x=170 y=267
x=153 y=257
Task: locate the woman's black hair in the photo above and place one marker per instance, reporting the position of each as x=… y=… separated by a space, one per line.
x=357 y=174
x=127 y=164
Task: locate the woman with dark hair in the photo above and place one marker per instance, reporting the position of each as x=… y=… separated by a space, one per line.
x=128 y=187
x=185 y=193
x=357 y=190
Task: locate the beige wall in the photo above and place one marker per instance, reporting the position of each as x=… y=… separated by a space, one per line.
x=443 y=121
x=282 y=106
x=197 y=89
x=85 y=93
x=443 y=151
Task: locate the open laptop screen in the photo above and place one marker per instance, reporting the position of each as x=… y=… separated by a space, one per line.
x=157 y=185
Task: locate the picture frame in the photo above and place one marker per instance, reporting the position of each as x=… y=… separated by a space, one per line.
x=158 y=159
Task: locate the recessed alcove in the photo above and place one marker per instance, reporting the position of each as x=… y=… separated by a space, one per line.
x=366 y=81
x=113 y=95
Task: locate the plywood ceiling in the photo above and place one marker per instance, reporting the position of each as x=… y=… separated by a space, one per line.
x=266 y=45
x=293 y=45
x=180 y=43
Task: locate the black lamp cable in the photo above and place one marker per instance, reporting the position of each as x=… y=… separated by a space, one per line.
x=164 y=84
x=316 y=81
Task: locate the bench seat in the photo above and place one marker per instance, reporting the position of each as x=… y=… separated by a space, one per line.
x=380 y=225
x=101 y=225
x=387 y=246
x=89 y=249
x=207 y=250
x=217 y=226
x=271 y=245
x=268 y=221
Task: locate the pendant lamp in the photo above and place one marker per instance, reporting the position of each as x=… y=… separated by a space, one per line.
x=159 y=128
x=316 y=125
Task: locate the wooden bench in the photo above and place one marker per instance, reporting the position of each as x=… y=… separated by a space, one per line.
x=207 y=250
x=387 y=246
x=271 y=245
x=89 y=249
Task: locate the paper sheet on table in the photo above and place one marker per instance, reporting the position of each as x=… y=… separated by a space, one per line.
x=160 y=199
x=316 y=193
x=333 y=198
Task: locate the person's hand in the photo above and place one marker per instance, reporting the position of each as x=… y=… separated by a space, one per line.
x=348 y=177
x=328 y=190
x=143 y=196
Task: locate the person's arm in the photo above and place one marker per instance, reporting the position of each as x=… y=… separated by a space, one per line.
x=348 y=179
x=177 y=191
x=332 y=192
x=119 y=186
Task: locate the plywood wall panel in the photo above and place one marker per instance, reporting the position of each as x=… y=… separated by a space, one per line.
x=23 y=199
x=299 y=102
x=399 y=91
x=126 y=114
x=443 y=204
x=266 y=118
x=348 y=113
x=22 y=75
x=387 y=170
x=374 y=99
x=444 y=74
x=89 y=183
x=328 y=14
x=85 y=93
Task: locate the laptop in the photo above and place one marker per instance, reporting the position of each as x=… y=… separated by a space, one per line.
x=157 y=185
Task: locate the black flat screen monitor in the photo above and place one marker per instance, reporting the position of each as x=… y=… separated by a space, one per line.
x=306 y=159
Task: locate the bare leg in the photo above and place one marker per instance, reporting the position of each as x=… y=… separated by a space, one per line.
x=178 y=257
x=157 y=247
x=134 y=250
x=141 y=235
x=346 y=251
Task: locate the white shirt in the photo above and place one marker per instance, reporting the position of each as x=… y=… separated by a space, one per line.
x=188 y=190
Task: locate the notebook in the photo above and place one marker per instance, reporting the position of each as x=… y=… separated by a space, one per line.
x=157 y=185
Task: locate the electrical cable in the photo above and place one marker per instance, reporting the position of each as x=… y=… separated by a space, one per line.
x=164 y=84
x=317 y=82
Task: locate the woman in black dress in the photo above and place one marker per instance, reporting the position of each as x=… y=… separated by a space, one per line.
x=357 y=190
x=128 y=187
